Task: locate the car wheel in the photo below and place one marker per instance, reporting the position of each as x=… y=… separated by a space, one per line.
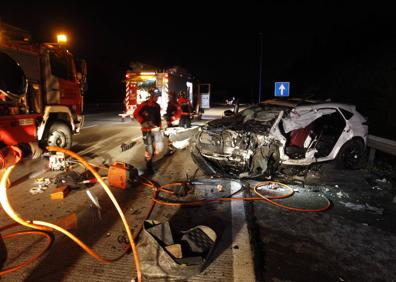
x=350 y=155
x=59 y=135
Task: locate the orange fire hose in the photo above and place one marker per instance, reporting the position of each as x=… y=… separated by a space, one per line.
x=32 y=259
x=268 y=199
x=260 y=198
x=46 y=226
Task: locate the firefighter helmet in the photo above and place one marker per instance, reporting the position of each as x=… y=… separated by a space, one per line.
x=154 y=92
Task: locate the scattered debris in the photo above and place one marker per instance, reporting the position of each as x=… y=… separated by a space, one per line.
x=365 y=207
x=162 y=257
x=95 y=201
x=175 y=250
x=57 y=161
x=60 y=192
x=342 y=194
x=37 y=190
x=180 y=137
x=40 y=185
x=123 y=238
x=181 y=144
x=376 y=188
x=374 y=209
x=70 y=178
x=355 y=207
x=42 y=181
x=89 y=181
x=383 y=180
x=93 y=198
x=184 y=189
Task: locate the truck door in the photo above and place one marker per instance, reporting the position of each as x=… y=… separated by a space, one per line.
x=63 y=87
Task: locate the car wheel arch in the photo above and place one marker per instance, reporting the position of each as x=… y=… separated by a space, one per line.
x=351 y=143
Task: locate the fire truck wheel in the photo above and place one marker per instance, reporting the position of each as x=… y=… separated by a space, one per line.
x=59 y=134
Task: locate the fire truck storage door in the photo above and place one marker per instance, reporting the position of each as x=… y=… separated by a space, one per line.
x=18 y=128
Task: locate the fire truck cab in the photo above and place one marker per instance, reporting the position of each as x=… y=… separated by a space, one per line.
x=170 y=82
x=41 y=90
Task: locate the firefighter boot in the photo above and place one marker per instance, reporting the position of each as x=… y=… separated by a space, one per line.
x=149 y=167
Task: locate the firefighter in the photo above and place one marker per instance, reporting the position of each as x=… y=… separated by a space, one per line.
x=10 y=155
x=185 y=105
x=148 y=114
x=172 y=109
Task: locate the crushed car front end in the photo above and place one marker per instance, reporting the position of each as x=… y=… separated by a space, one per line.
x=238 y=146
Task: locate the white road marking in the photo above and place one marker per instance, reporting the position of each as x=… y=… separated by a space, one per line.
x=89 y=126
x=136 y=138
x=241 y=251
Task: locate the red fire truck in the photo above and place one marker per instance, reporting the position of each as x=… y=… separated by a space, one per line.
x=41 y=90
x=170 y=82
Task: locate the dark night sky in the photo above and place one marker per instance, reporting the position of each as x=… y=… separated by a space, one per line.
x=305 y=42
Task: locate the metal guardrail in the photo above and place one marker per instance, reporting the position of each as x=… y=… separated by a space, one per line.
x=381 y=144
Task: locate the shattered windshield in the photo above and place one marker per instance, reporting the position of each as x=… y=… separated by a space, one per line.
x=261 y=113
x=257 y=118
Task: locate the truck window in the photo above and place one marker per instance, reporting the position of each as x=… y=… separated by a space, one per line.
x=12 y=77
x=61 y=66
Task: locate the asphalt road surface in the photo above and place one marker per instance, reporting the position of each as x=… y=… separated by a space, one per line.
x=355 y=240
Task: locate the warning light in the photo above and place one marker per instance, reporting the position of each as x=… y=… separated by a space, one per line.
x=61 y=38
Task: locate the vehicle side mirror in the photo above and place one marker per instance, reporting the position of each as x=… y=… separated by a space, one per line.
x=228 y=113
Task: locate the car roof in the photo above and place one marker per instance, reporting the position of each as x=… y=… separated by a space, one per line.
x=302 y=104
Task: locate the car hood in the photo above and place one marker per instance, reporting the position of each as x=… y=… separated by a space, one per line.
x=225 y=123
x=240 y=124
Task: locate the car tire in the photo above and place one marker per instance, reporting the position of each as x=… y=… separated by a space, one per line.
x=59 y=135
x=350 y=155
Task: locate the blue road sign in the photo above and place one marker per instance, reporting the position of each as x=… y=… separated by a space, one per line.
x=282 y=89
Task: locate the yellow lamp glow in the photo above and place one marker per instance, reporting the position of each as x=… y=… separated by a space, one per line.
x=62 y=38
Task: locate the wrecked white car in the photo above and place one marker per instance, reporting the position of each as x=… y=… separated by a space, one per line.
x=256 y=141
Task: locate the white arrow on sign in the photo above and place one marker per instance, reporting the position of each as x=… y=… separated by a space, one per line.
x=282 y=88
